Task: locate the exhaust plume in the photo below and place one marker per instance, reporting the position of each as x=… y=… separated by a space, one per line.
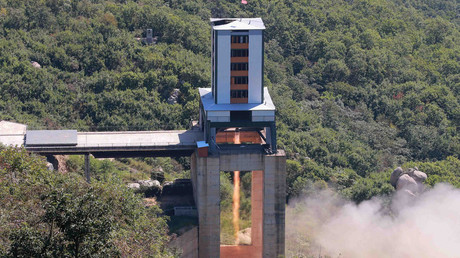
x=425 y=226
x=236 y=195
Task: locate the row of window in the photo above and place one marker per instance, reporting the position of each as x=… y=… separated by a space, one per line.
x=239 y=93
x=240 y=39
x=240 y=79
x=239 y=67
x=240 y=52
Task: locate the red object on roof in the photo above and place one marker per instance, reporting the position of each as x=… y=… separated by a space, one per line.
x=244 y=2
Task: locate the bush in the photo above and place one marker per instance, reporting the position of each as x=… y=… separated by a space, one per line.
x=51 y=214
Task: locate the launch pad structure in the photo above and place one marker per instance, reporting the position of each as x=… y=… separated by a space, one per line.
x=236 y=127
x=267 y=199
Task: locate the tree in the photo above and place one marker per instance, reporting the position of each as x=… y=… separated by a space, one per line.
x=47 y=214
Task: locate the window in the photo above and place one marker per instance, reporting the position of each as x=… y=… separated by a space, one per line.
x=240 y=80
x=240 y=52
x=239 y=66
x=239 y=94
x=240 y=39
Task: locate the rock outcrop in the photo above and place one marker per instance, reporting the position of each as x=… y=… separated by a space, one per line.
x=409 y=181
x=148 y=187
x=35 y=64
x=174 y=97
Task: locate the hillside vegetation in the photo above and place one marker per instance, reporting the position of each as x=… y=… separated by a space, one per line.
x=48 y=214
x=360 y=86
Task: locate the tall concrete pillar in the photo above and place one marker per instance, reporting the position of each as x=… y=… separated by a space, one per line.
x=87 y=168
x=257 y=212
x=206 y=181
x=268 y=199
x=274 y=204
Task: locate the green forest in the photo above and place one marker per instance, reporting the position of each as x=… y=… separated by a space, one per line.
x=360 y=86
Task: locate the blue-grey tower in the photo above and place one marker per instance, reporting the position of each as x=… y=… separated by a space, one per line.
x=237 y=98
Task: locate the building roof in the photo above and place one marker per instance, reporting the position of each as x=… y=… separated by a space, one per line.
x=237 y=24
x=209 y=105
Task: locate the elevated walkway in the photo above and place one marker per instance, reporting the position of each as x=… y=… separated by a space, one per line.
x=108 y=144
x=128 y=144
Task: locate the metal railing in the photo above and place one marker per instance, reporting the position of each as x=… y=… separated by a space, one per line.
x=113 y=145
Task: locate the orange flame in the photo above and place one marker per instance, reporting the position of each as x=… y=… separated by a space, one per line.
x=236 y=205
x=236 y=195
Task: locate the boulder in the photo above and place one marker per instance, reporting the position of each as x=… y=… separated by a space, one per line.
x=134 y=186
x=418 y=176
x=244 y=237
x=49 y=166
x=36 y=64
x=406 y=182
x=409 y=193
x=150 y=187
x=149 y=183
x=395 y=176
x=174 y=96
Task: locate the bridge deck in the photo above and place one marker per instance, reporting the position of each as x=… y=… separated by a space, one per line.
x=120 y=144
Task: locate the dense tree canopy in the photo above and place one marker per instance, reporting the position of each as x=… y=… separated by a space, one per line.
x=48 y=214
x=360 y=86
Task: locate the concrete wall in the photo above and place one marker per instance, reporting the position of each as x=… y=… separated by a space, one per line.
x=205 y=177
x=256 y=46
x=274 y=204
x=263 y=116
x=206 y=181
x=223 y=66
x=219 y=116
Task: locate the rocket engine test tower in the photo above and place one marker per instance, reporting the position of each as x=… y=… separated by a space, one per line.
x=236 y=135
x=237 y=98
x=237 y=117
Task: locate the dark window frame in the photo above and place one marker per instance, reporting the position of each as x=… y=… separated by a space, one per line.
x=240 y=39
x=239 y=66
x=239 y=94
x=239 y=52
x=240 y=79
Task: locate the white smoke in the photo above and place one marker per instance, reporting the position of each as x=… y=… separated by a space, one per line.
x=325 y=225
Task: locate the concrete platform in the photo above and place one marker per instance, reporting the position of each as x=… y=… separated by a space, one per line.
x=108 y=144
x=12 y=134
x=128 y=144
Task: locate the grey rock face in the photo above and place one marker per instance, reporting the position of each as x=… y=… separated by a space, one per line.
x=49 y=166
x=174 y=96
x=134 y=186
x=395 y=176
x=409 y=181
x=419 y=176
x=149 y=183
x=35 y=64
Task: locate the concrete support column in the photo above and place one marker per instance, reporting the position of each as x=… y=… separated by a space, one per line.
x=268 y=200
x=274 y=204
x=257 y=213
x=87 y=167
x=206 y=179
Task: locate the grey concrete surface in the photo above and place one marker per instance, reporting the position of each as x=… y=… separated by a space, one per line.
x=205 y=173
x=12 y=133
x=206 y=181
x=146 y=141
